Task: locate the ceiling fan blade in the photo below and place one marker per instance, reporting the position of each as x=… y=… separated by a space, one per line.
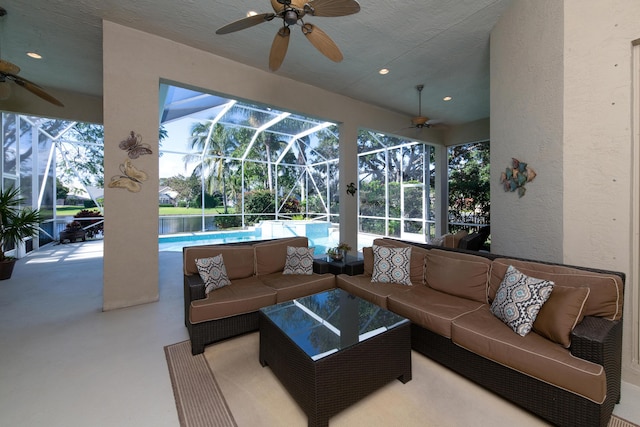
x=8 y=68
x=279 y=48
x=280 y=5
x=437 y=124
x=322 y=42
x=33 y=88
x=247 y=22
x=332 y=7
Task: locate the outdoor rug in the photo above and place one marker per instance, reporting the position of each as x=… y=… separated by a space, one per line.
x=199 y=399
x=227 y=386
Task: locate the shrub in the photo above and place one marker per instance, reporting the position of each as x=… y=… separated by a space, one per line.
x=210 y=201
x=228 y=221
x=99 y=223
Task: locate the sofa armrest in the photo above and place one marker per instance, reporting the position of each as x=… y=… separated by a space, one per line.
x=591 y=337
x=599 y=341
x=193 y=290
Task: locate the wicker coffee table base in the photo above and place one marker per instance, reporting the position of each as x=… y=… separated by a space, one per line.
x=325 y=387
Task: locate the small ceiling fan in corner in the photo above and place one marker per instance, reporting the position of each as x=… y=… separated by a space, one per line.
x=9 y=73
x=292 y=13
x=421 y=121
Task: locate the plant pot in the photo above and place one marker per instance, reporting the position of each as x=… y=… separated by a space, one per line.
x=6 y=268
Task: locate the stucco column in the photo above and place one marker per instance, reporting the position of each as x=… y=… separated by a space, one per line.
x=348 y=170
x=131 y=217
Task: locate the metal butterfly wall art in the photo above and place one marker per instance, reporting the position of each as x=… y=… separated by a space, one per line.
x=134 y=147
x=131 y=178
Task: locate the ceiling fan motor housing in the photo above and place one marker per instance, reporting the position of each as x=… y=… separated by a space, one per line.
x=291 y=17
x=420 y=121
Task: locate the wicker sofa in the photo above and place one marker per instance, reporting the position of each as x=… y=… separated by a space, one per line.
x=568 y=380
x=256 y=274
x=567 y=371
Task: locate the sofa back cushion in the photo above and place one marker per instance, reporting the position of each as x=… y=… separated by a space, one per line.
x=417 y=264
x=453 y=240
x=606 y=290
x=458 y=274
x=238 y=260
x=271 y=256
x=367 y=257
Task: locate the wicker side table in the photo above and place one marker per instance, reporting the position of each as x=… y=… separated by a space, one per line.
x=351 y=265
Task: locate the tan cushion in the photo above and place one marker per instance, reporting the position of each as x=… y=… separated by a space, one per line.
x=243 y=296
x=452 y=241
x=431 y=309
x=238 y=260
x=270 y=256
x=606 y=296
x=462 y=275
x=362 y=287
x=418 y=254
x=561 y=313
x=484 y=334
x=367 y=256
x=291 y=286
x=439 y=241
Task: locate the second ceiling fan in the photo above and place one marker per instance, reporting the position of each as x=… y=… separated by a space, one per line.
x=421 y=121
x=292 y=12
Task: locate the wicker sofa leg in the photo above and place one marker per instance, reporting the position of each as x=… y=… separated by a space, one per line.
x=196 y=348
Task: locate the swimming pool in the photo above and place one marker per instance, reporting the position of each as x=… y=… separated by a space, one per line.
x=322 y=235
x=175 y=243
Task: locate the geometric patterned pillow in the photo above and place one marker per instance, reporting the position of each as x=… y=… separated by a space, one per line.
x=299 y=260
x=519 y=299
x=391 y=265
x=213 y=273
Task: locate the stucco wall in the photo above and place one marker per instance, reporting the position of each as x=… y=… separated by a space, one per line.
x=134 y=64
x=561 y=89
x=526 y=123
x=77 y=107
x=598 y=153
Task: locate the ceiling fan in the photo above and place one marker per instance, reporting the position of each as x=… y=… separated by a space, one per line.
x=291 y=12
x=421 y=121
x=9 y=73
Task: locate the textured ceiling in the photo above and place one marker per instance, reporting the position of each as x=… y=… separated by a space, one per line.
x=441 y=44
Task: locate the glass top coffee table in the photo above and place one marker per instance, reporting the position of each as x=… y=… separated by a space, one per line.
x=332 y=349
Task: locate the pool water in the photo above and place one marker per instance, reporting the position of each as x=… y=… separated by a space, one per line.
x=175 y=243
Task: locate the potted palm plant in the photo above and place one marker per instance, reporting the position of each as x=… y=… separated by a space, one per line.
x=16 y=223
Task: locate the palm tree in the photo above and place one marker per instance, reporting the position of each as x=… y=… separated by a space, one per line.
x=214 y=155
x=15 y=223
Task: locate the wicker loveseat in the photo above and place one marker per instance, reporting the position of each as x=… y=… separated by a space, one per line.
x=256 y=274
x=569 y=379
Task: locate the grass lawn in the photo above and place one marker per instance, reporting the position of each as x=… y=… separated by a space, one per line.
x=164 y=211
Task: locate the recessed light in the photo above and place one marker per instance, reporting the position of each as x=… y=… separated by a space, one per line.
x=34 y=55
x=447 y=98
x=252 y=13
x=384 y=71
